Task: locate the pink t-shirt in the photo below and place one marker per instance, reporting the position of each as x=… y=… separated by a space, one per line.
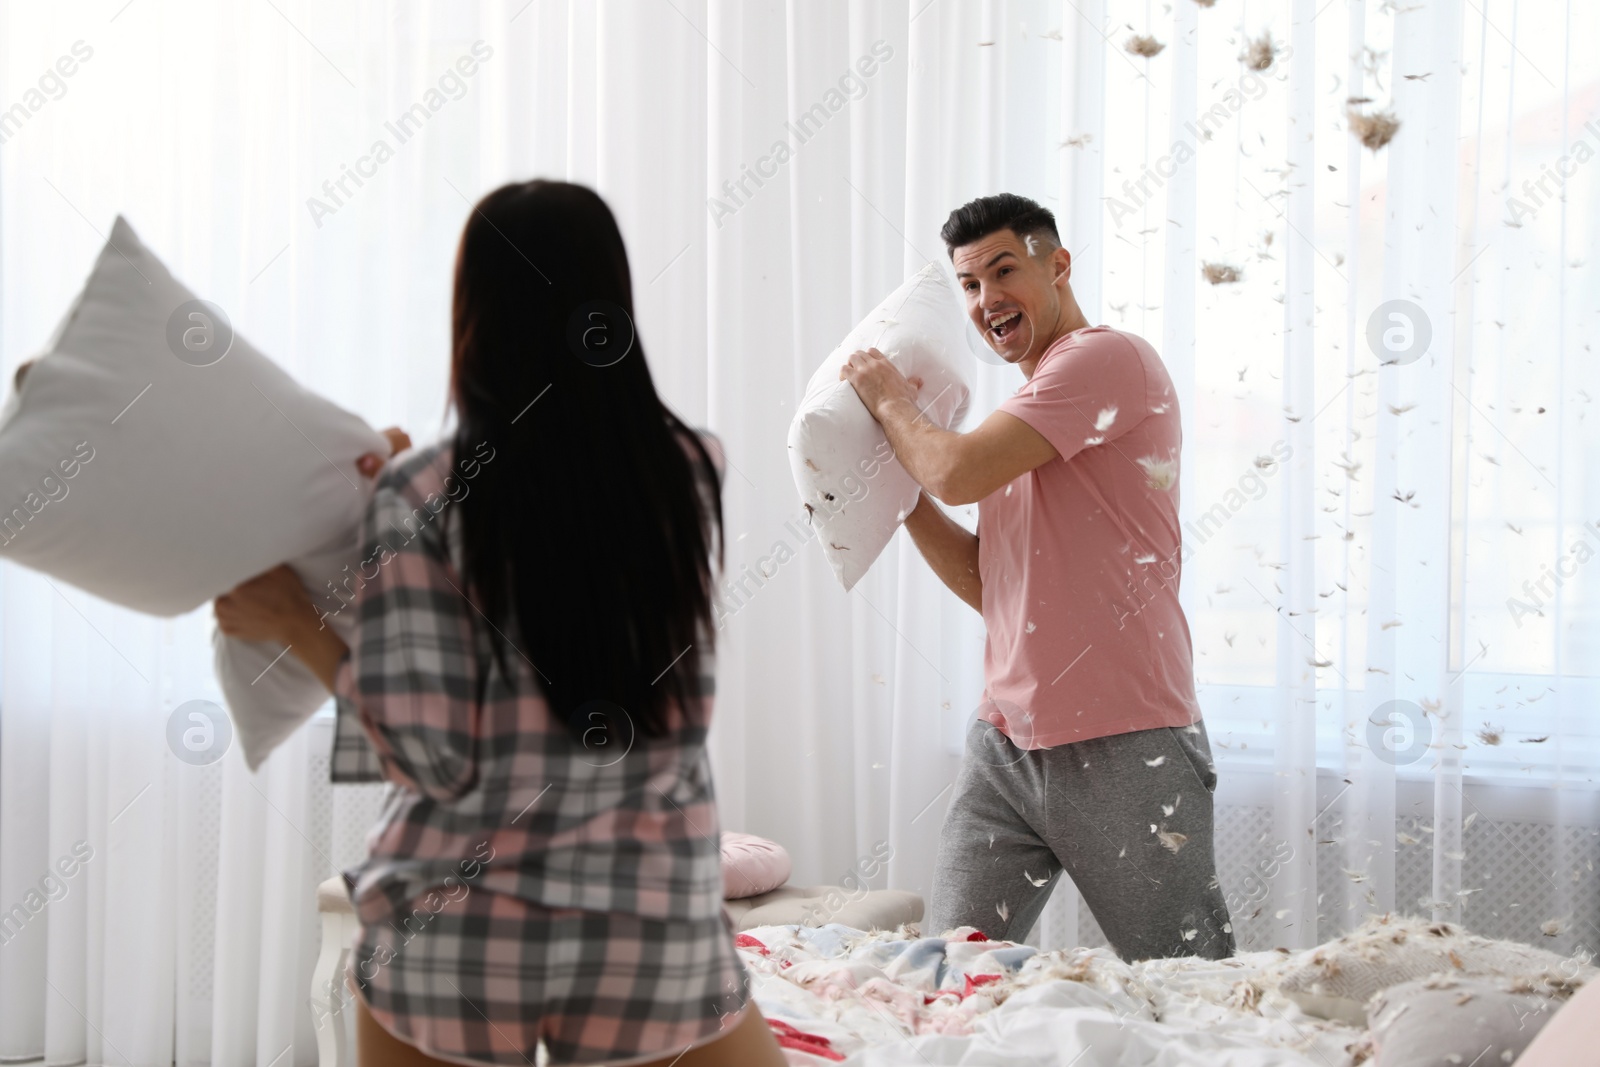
x=1080 y=558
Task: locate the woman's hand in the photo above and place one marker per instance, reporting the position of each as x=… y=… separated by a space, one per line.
x=273 y=606
x=371 y=463
x=877 y=380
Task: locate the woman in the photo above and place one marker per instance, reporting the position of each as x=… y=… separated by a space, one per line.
x=532 y=672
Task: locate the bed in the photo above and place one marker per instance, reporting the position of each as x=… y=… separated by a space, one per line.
x=835 y=995
x=848 y=978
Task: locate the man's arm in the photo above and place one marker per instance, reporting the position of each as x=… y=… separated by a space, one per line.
x=962 y=468
x=950 y=550
x=956 y=468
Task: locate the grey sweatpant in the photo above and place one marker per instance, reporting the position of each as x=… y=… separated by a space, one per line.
x=1128 y=817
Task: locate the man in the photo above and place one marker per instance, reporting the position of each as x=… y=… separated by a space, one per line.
x=1088 y=753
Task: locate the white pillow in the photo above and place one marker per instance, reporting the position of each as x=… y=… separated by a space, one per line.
x=159 y=482
x=1336 y=979
x=854 y=490
x=1443 y=1019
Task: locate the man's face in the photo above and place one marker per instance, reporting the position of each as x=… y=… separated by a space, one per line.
x=1012 y=297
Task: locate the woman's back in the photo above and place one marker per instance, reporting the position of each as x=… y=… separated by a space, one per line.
x=496 y=786
x=521 y=873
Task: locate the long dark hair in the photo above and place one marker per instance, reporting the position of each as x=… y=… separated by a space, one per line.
x=586 y=545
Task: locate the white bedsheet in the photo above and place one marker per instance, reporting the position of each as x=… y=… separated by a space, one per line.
x=893 y=1000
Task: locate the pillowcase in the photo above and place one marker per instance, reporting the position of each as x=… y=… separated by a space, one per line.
x=752 y=865
x=1442 y=1019
x=853 y=489
x=155 y=459
x=1335 y=980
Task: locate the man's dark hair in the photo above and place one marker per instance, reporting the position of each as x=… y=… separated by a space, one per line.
x=991 y=214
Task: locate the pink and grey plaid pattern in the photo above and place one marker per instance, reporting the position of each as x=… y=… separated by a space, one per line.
x=489 y=977
x=520 y=884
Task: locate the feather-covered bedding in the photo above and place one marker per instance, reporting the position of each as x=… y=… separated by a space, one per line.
x=837 y=995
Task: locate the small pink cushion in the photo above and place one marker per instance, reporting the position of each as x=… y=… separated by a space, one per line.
x=752 y=865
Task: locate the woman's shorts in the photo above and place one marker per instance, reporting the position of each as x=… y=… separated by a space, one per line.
x=489 y=977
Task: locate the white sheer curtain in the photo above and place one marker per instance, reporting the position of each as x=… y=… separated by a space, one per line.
x=1388 y=575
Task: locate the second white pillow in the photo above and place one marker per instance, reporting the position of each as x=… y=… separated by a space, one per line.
x=854 y=490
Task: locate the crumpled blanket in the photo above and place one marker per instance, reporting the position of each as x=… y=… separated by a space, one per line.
x=836 y=995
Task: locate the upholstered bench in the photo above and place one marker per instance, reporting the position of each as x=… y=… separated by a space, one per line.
x=880 y=909
x=873 y=909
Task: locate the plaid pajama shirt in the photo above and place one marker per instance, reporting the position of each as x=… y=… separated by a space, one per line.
x=521 y=886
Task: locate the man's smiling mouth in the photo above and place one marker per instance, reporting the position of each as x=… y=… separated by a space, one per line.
x=1004 y=324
